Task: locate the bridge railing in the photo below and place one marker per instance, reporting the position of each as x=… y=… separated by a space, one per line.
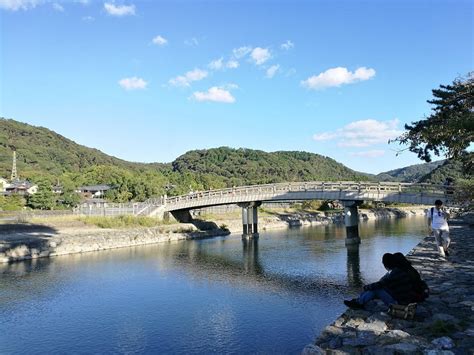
x=383 y=187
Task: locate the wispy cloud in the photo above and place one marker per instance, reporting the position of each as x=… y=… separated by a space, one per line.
x=186 y=79
x=57 y=7
x=216 y=64
x=335 y=77
x=241 y=51
x=119 y=10
x=232 y=64
x=363 y=133
x=272 y=71
x=287 y=45
x=214 y=94
x=260 y=55
x=14 y=5
x=193 y=42
x=88 y=18
x=133 y=83
x=159 y=40
x=368 y=153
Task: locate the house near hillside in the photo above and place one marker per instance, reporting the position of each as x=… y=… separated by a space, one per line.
x=93 y=191
x=21 y=187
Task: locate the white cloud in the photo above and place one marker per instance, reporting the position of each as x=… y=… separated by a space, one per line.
x=335 y=77
x=260 y=55
x=57 y=7
x=186 y=79
x=193 y=42
x=159 y=40
x=232 y=64
x=133 y=83
x=368 y=153
x=15 y=5
x=214 y=94
x=272 y=71
x=287 y=45
x=362 y=133
x=217 y=64
x=241 y=51
x=119 y=10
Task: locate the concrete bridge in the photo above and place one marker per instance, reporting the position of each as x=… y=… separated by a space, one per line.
x=351 y=194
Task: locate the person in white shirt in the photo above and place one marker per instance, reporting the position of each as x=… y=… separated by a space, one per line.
x=438 y=220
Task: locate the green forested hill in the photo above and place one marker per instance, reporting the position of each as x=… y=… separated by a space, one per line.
x=45 y=155
x=454 y=169
x=412 y=173
x=247 y=166
x=40 y=150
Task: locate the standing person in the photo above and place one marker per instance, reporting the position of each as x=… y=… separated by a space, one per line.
x=438 y=221
x=395 y=287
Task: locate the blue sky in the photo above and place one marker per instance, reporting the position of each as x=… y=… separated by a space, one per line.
x=150 y=80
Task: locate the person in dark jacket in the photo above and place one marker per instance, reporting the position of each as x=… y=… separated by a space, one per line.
x=395 y=287
x=420 y=288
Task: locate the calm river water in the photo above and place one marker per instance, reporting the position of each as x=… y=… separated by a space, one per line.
x=209 y=296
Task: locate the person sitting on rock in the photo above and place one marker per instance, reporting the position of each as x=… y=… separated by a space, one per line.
x=395 y=287
x=419 y=286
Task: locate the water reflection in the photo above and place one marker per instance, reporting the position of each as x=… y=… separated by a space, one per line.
x=205 y=296
x=354 y=276
x=251 y=263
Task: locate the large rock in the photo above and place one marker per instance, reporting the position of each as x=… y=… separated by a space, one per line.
x=312 y=349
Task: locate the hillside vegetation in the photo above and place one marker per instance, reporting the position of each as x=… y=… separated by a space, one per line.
x=412 y=173
x=45 y=156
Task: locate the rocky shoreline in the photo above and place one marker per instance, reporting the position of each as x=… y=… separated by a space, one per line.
x=443 y=324
x=42 y=241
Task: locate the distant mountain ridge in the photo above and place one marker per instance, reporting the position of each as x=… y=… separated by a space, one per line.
x=412 y=173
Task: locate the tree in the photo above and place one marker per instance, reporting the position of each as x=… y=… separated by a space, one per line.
x=449 y=130
x=44 y=198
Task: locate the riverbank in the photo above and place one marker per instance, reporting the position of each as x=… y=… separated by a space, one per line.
x=443 y=324
x=30 y=241
x=48 y=237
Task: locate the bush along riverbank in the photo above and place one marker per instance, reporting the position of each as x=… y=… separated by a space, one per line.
x=443 y=324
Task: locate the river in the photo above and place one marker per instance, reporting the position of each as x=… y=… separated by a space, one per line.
x=220 y=295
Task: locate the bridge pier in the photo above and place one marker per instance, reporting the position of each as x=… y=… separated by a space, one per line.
x=250 y=219
x=351 y=221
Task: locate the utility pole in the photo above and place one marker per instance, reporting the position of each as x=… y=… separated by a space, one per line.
x=14 y=173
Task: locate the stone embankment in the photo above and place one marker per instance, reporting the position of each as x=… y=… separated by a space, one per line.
x=31 y=242
x=443 y=324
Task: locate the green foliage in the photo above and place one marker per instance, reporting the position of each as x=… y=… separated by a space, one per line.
x=412 y=173
x=44 y=199
x=464 y=193
x=121 y=221
x=453 y=168
x=236 y=167
x=311 y=205
x=450 y=129
x=43 y=155
x=12 y=203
